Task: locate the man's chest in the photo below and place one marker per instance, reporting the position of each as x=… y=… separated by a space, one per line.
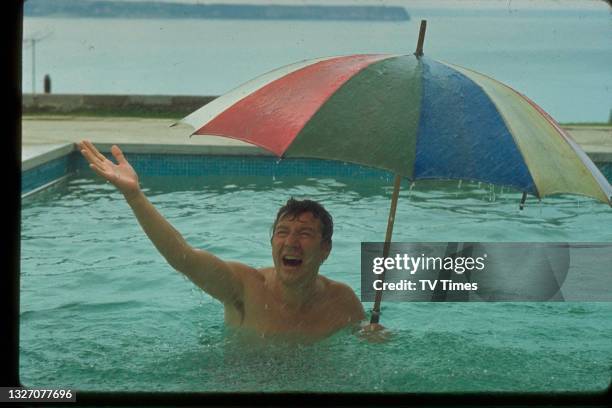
x=266 y=315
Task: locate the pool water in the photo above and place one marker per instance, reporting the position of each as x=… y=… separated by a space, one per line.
x=102 y=311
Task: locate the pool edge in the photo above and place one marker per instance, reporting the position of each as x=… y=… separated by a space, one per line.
x=44 y=166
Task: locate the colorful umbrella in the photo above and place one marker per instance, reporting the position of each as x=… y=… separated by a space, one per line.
x=415 y=116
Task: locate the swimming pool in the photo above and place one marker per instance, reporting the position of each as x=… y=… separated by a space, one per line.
x=101 y=310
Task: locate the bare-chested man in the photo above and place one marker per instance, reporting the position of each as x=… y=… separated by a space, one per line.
x=290 y=298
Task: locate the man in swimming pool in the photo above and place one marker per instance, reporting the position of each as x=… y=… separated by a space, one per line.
x=288 y=298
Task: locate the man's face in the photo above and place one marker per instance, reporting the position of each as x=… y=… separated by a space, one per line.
x=298 y=249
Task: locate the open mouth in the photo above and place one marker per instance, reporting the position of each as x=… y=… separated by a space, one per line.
x=289 y=260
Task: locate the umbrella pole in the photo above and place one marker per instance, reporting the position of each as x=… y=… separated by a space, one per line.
x=396 y=188
x=421 y=40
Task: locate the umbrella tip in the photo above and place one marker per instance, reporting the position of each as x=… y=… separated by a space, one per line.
x=523 y=199
x=177 y=123
x=419 y=50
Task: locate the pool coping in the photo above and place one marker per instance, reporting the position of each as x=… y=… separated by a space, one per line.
x=36 y=155
x=48 y=137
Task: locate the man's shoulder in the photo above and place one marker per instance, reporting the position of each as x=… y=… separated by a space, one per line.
x=342 y=292
x=337 y=287
x=246 y=272
x=344 y=301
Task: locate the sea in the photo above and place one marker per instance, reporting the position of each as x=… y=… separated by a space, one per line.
x=558 y=53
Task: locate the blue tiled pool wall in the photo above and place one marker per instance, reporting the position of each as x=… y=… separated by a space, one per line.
x=46 y=173
x=217 y=165
x=200 y=165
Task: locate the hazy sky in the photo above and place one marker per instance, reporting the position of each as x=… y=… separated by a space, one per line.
x=495 y=4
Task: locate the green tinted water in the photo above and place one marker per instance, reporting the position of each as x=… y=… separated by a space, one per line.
x=101 y=310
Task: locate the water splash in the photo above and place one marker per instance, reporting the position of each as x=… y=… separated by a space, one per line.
x=277 y=163
x=541 y=207
x=410 y=189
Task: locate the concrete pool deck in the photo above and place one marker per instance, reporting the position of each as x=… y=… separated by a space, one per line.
x=45 y=138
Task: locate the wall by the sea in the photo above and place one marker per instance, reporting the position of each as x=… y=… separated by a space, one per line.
x=130 y=105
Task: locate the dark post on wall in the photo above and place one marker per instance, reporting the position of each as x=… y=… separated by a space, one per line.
x=47 y=84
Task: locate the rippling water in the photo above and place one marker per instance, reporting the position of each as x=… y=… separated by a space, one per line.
x=101 y=310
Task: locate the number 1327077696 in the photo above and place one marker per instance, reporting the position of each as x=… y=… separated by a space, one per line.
x=20 y=394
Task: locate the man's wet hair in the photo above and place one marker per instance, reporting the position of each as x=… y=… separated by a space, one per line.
x=294 y=208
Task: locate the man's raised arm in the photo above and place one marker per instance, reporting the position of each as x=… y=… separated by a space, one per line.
x=216 y=277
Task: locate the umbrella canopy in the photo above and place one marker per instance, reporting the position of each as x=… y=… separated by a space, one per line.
x=415 y=116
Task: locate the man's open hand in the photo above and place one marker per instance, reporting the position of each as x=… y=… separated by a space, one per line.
x=121 y=175
x=374 y=333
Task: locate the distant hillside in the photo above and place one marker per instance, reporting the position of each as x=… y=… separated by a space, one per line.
x=116 y=9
